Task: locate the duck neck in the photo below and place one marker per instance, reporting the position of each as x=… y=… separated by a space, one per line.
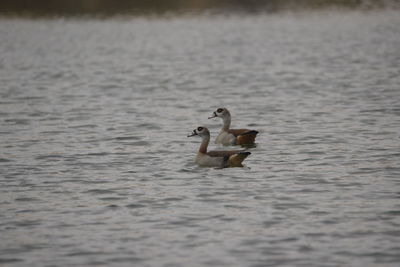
x=227 y=122
x=204 y=144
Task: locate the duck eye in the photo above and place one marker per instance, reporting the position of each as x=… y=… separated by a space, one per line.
x=219 y=110
x=200 y=129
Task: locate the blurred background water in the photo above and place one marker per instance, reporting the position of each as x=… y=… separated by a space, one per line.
x=140 y=7
x=96 y=168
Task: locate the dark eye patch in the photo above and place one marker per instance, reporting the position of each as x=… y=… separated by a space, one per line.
x=219 y=110
x=200 y=129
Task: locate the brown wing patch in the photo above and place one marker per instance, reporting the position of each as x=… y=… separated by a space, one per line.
x=237 y=159
x=246 y=139
x=222 y=153
x=237 y=132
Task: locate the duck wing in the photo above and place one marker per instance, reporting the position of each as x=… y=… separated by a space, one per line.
x=231 y=158
x=244 y=136
x=236 y=159
x=237 y=132
x=223 y=153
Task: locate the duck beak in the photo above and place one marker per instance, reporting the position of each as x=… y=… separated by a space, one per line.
x=192 y=134
x=213 y=115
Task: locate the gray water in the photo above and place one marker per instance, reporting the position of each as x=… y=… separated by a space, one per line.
x=96 y=168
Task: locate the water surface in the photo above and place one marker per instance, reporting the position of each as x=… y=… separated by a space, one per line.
x=96 y=168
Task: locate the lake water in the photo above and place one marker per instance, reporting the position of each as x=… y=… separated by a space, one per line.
x=96 y=169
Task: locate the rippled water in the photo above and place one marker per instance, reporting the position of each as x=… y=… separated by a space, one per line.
x=96 y=168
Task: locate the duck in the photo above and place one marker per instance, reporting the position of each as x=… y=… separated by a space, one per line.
x=229 y=136
x=217 y=158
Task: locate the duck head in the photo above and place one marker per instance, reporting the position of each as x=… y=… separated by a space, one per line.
x=220 y=112
x=200 y=131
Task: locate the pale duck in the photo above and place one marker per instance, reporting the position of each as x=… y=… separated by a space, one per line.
x=219 y=159
x=229 y=136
